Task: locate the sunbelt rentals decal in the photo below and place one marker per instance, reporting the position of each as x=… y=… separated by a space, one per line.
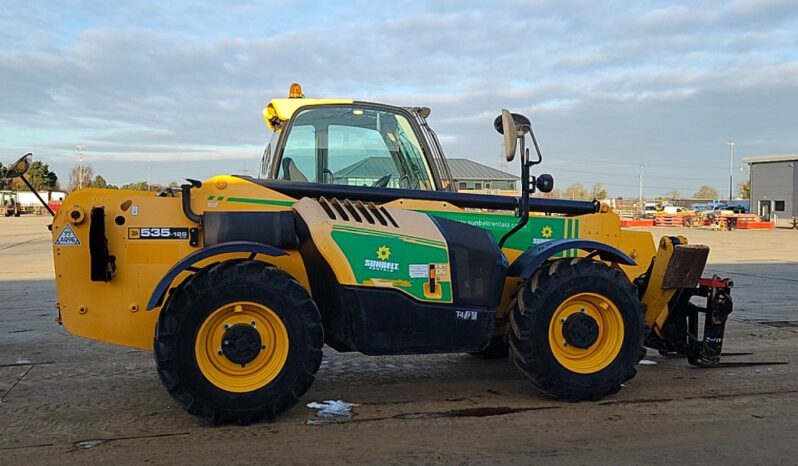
x=383 y=262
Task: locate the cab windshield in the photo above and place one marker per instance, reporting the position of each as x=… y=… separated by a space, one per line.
x=352 y=145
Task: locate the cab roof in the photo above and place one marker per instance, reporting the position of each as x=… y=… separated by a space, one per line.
x=278 y=111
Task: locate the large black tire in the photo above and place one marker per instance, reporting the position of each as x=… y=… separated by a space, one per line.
x=531 y=340
x=214 y=288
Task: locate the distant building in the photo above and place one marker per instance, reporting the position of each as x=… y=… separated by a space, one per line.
x=472 y=176
x=467 y=174
x=774 y=186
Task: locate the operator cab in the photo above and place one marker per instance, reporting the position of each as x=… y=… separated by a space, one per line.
x=354 y=144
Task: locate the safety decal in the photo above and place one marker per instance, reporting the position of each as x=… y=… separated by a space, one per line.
x=67 y=237
x=422 y=270
x=157 y=233
x=418 y=270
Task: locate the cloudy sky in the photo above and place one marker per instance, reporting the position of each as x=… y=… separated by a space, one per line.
x=179 y=86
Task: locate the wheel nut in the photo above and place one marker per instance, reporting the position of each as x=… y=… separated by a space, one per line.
x=226 y=326
x=243 y=365
x=262 y=346
x=227 y=342
x=219 y=352
x=252 y=323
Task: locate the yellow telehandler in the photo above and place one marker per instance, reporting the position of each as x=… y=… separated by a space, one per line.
x=354 y=235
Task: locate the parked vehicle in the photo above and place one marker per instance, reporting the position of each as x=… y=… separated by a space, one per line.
x=9 y=205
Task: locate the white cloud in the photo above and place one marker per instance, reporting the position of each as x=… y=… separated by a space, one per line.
x=610 y=80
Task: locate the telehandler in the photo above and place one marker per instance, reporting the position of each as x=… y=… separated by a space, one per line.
x=237 y=282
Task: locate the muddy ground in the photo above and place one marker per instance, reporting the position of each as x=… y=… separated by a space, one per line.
x=67 y=400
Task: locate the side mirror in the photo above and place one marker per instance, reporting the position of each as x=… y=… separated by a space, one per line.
x=20 y=167
x=510 y=135
x=519 y=125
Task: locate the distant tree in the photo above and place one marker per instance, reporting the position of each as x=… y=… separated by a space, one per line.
x=137 y=186
x=598 y=191
x=673 y=194
x=554 y=194
x=41 y=177
x=173 y=185
x=575 y=191
x=744 y=189
x=3 y=181
x=80 y=178
x=99 y=182
x=706 y=192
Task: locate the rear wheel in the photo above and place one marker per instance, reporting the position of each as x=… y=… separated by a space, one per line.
x=239 y=341
x=577 y=329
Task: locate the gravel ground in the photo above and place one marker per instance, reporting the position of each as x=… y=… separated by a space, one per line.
x=68 y=400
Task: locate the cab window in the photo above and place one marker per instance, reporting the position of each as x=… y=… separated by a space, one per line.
x=353 y=145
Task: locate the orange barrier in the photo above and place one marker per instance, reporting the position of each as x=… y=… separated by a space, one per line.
x=628 y=222
x=754 y=225
x=669 y=221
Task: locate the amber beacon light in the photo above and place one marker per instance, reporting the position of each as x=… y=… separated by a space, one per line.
x=295 y=92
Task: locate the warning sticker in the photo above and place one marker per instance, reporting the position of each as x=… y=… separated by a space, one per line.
x=418 y=270
x=67 y=237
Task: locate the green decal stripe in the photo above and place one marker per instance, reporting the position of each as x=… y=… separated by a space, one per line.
x=414 y=239
x=572 y=252
x=249 y=200
x=408 y=238
x=498 y=224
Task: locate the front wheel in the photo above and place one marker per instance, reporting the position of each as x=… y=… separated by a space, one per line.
x=577 y=329
x=239 y=341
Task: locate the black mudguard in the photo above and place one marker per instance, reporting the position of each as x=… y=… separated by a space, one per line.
x=534 y=257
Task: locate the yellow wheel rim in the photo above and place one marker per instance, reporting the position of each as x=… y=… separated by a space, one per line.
x=254 y=374
x=607 y=344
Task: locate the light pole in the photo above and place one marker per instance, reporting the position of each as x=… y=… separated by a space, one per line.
x=731 y=168
x=794 y=208
x=80 y=148
x=642 y=207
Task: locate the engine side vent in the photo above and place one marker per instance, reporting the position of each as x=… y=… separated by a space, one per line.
x=339 y=209
x=357 y=212
x=388 y=216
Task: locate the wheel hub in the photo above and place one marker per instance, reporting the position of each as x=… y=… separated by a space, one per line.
x=580 y=330
x=241 y=343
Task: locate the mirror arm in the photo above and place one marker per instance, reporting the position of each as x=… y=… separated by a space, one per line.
x=537 y=148
x=33 y=190
x=524 y=201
